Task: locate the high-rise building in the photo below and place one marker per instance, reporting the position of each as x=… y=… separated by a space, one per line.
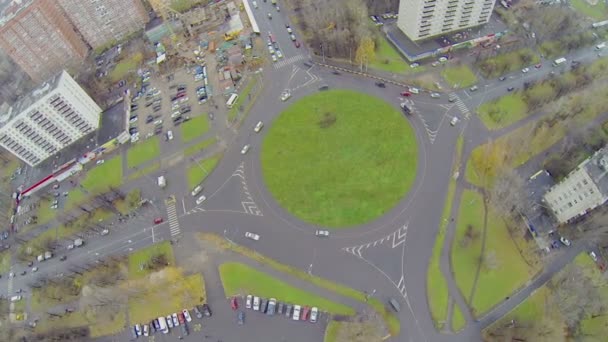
x=40 y=38
x=107 y=21
x=422 y=19
x=53 y=116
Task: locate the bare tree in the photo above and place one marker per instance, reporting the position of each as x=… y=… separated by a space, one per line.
x=508 y=194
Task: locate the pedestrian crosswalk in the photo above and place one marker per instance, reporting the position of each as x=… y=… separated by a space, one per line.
x=288 y=61
x=463 y=108
x=172 y=217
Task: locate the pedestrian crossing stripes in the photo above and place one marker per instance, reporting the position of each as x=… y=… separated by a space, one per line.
x=463 y=108
x=172 y=218
x=288 y=61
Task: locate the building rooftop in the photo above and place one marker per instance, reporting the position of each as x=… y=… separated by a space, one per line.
x=597 y=168
x=27 y=100
x=10 y=11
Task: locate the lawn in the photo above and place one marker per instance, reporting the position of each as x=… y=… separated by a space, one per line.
x=104 y=176
x=198 y=171
x=323 y=162
x=234 y=111
x=437 y=287
x=460 y=76
x=195 y=127
x=5 y=262
x=331 y=331
x=143 y=256
x=45 y=214
x=199 y=146
x=75 y=197
x=466 y=246
x=143 y=152
x=598 y=12
x=508 y=62
x=183 y=292
x=144 y=171
x=126 y=66
x=240 y=279
x=388 y=59
x=504 y=111
x=458 y=321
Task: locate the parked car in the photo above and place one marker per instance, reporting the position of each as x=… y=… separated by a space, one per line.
x=272 y=303
x=280 y=307
x=305 y=313
x=256 y=303
x=181 y=318
x=146 y=330
x=593 y=256
x=137 y=329
x=314 y=314
x=241 y=317
x=169 y=321
x=435 y=95
x=263 y=305
x=248 y=301
x=252 y=236
x=197 y=312
x=565 y=241
x=234 y=304
x=525 y=70
x=473 y=88
x=405 y=93
x=187 y=315
x=288 y=308
x=201 y=199
x=296 y=312
x=206 y=310
x=175 y=319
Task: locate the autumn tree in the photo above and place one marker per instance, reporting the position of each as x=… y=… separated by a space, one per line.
x=365 y=53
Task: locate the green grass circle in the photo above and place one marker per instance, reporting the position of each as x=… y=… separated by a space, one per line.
x=339 y=158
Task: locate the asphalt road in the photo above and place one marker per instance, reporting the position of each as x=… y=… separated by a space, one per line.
x=387 y=258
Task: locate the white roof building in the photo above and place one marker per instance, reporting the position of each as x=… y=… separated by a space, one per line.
x=52 y=117
x=583 y=190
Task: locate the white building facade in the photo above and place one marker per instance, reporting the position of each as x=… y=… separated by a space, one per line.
x=52 y=117
x=583 y=190
x=423 y=19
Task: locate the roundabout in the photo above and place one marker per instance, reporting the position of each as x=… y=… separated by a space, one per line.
x=339 y=158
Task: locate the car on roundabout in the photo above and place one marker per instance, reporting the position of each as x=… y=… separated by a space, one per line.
x=201 y=199
x=252 y=236
x=285 y=95
x=258 y=127
x=322 y=233
x=245 y=149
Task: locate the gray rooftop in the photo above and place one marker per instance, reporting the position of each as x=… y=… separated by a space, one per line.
x=27 y=100
x=597 y=168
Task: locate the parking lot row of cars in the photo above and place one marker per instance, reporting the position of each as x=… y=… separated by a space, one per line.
x=164 y=324
x=273 y=307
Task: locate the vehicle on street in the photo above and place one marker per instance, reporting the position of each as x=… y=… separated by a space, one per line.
x=158 y=220
x=473 y=88
x=435 y=95
x=293 y=37
x=187 y=315
x=240 y=317
x=297 y=44
x=322 y=233
x=525 y=70
x=63 y=258
x=100 y=161
x=285 y=95
x=272 y=303
x=510 y=89
x=314 y=314
x=380 y=85
x=245 y=149
x=289 y=30
x=559 y=61
x=256 y=303
x=34 y=269
x=414 y=90
x=16 y=298
x=258 y=127
x=279 y=54
x=105 y=232
x=234 y=304
x=296 y=312
x=593 y=256
x=197 y=190
x=502 y=78
x=269 y=15
x=394 y=304
x=169 y=135
x=454 y=121
x=252 y=236
x=452 y=98
x=248 y=301
x=274 y=58
x=201 y=199
x=405 y=93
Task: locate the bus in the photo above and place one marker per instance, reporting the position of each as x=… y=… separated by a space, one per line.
x=559 y=61
x=232 y=100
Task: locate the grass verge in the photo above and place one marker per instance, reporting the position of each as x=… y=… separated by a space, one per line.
x=194 y=149
x=234 y=111
x=388 y=59
x=143 y=152
x=240 y=279
x=389 y=317
x=508 y=62
x=460 y=76
x=458 y=321
x=198 y=171
x=503 y=111
x=141 y=259
x=597 y=12
x=195 y=127
x=144 y=171
x=5 y=262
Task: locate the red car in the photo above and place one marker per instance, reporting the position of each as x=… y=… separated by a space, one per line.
x=297 y=44
x=158 y=220
x=406 y=93
x=305 y=313
x=181 y=318
x=233 y=303
x=537 y=66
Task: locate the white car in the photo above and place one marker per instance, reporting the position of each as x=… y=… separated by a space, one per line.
x=296 y=312
x=187 y=315
x=292 y=36
x=285 y=95
x=34 y=269
x=100 y=161
x=256 y=303
x=258 y=127
x=245 y=149
x=138 y=329
x=314 y=314
x=289 y=30
x=252 y=236
x=146 y=330
x=414 y=90
x=414 y=65
x=274 y=58
x=525 y=70
x=593 y=256
x=473 y=88
x=197 y=190
x=169 y=135
x=565 y=241
x=454 y=121
x=169 y=321
x=271 y=50
x=175 y=320
x=248 y=301
x=322 y=233
x=200 y=199
x=279 y=54
x=435 y=95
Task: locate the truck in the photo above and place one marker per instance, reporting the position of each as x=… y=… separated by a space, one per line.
x=559 y=61
x=162 y=182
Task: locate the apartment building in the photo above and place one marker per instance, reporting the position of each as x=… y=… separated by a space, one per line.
x=583 y=190
x=53 y=116
x=103 y=22
x=40 y=38
x=423 y=19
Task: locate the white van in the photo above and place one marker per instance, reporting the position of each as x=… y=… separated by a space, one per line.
x=255 y=4
x=15 y=298
x=600 y=46
x=232 y=100
x=163 y=325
